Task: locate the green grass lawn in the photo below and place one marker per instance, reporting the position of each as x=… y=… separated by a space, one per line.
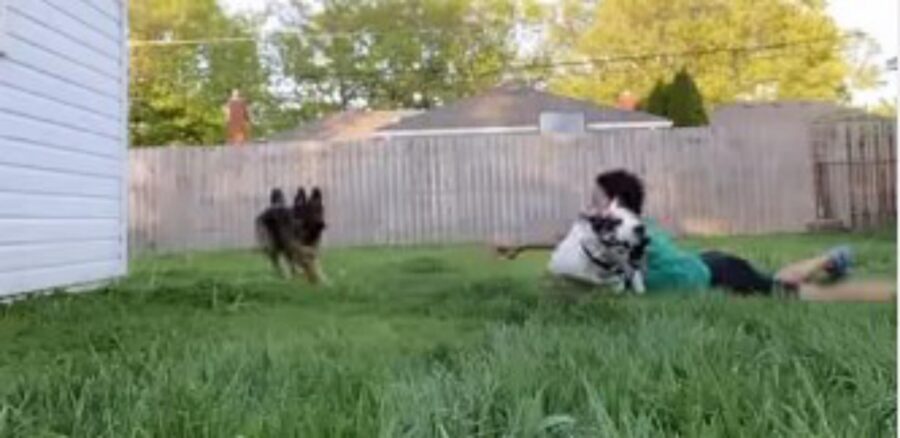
x=445 y=342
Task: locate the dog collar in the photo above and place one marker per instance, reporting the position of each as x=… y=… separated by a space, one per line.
x=596 y=261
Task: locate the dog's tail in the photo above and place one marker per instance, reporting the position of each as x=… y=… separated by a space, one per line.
x=263 y=236
x=273 y=225
x=276 y=198
x=262 y=222
x=273 y=229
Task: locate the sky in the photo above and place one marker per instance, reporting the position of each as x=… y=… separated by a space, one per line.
x=877 y=18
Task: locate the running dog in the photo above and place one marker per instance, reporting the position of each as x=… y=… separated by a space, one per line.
x=290 y=236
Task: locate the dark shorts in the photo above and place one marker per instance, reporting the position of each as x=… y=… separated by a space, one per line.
x=735 y=274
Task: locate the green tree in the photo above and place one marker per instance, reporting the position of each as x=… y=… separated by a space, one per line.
x=396 y=53
x=657 y=101
x=633 y=43
x=178 y=89
x=684 y=103
x=885 y=108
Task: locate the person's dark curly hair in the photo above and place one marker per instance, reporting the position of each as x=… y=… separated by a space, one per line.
x=624 y=186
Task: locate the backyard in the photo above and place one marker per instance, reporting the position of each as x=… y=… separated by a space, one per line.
x=446 y=342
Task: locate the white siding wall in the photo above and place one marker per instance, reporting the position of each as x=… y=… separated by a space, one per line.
x=63 y=143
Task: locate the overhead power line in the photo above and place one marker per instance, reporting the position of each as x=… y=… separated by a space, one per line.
x=318 y=35
x=678 y=54
x=191 y=42
x=589 y=62
x=165 y=42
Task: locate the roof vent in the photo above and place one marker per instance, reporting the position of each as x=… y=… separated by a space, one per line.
x=562 y=122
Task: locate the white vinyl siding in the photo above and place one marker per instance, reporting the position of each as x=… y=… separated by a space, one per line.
x=2 y=27
x=63 y=143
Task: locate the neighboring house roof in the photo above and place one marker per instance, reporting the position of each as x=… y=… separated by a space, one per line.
x=344 y=126
x=509 y=109
x=779 y=112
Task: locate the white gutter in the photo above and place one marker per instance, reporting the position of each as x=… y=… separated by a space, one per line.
x=514 y=129
x=459 y=131
x=629 y=125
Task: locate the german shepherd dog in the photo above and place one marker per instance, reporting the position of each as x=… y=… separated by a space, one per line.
x=290 y=236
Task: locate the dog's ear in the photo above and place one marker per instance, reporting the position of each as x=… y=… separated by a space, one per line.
x=300 y=198
x=316 y=197
x=276 y=198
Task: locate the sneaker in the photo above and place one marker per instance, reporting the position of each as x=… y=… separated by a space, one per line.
x=839 y=260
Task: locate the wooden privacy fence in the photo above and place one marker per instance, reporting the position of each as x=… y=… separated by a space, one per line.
x=856 y=171
x=465 y=189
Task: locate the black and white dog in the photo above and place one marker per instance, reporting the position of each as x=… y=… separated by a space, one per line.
x=608 y=247
x=617 y=251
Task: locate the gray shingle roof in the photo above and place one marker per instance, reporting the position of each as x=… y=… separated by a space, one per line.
x=509 y=106
x=787 y=111
x=343 y=126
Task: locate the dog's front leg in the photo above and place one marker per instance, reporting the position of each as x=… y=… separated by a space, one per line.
x=308 y=260
x=292 y=267
x=637 y=282
x=286 y=266
x=314 y=273
x=281 y=265
x=320 y=274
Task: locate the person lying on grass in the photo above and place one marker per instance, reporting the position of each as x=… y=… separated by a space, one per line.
x=669 y=267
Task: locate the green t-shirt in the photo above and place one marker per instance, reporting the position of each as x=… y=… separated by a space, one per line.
x=670 y=268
